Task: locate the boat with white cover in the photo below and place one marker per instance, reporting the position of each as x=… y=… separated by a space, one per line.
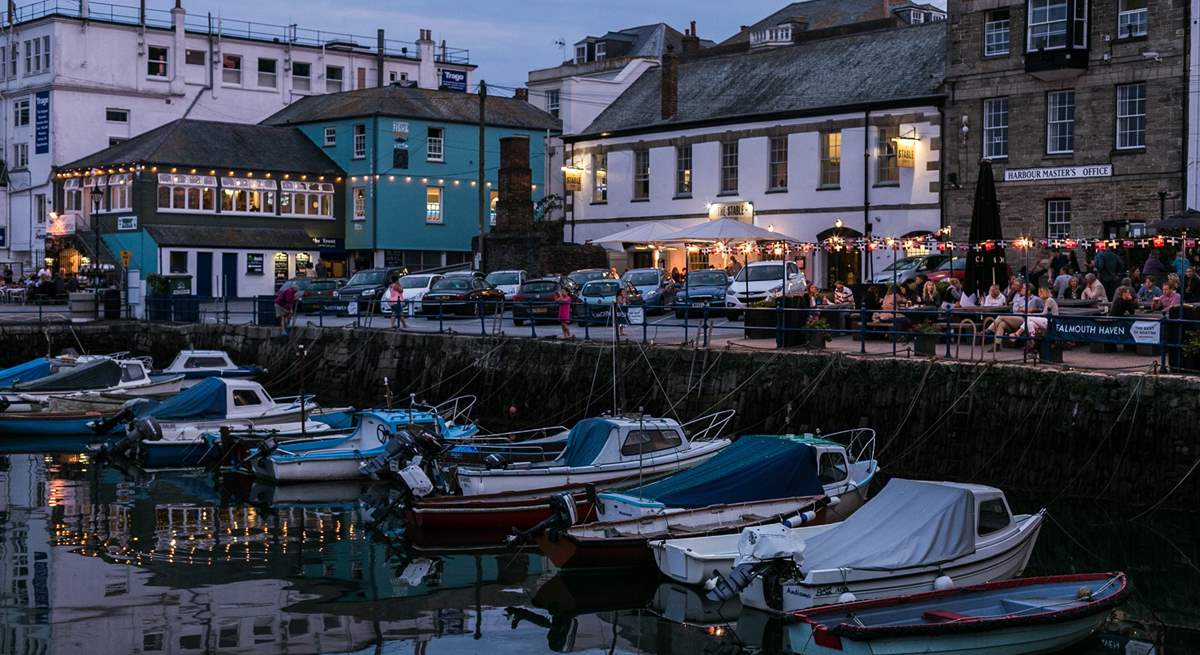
x=90 y=373
x=606 y=450
x=913 y=537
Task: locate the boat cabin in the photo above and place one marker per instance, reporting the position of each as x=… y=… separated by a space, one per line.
x=200 y=360
x=612 y=440
x=133 y=373
x=992 y=513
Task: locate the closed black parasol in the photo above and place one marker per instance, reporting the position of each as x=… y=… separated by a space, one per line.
x=985 y=266
x=1189 y=222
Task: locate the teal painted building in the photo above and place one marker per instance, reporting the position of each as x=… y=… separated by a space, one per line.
x=411 y=161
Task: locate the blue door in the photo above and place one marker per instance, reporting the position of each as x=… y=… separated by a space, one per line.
x=204 y=274
x=229 y=274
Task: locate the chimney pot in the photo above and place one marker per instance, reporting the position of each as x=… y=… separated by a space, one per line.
x=522 y=94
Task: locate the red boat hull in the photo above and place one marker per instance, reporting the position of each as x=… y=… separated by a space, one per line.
x=453 y=513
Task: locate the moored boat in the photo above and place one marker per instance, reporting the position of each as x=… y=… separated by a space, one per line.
x=195 y=365
x=89 y=374
x=1013 y=617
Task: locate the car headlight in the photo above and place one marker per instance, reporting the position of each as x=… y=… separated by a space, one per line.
x=730 y=292
x=776 y=289
x=368 y=293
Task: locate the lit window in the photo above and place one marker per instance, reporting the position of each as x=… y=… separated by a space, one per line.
x=777 y=167
x=641 y=174
x=887 y=169
x=434 y=146
x=1133 y=19
x=996 y=33
x=333 y=79
x=301 y=76
x=729 y=167
x=156 y=61
x=831 y=159
x=1131 y=116
x=190 y=193
x=1060 y=122
x=309 y=199
x=433 y=204
x=493 y=200
x=330 y=136
x=600 y=177
x=266 y=73
x=231 y=69
x=1058 y=219
x=360 y=203
x=683 y=170
x=360 y=141
x=995 y=128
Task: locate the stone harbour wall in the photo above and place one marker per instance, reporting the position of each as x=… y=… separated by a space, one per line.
x=1126 y=439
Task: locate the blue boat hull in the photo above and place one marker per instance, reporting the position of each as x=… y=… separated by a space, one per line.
x=28 y=427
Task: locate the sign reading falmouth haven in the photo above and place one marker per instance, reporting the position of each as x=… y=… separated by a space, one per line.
x=1059 y=173
x=1093 y=330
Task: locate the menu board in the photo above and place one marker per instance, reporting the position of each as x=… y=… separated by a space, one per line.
x=254 y=263
x=281 y=266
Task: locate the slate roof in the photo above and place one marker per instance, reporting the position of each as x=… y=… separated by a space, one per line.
x=867 y=68
x=189 y=142
x=820 y=14
x=649 y=40
x=217 y=236
x=408 y=102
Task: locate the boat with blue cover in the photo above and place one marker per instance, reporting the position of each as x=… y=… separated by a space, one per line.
x=90 y=373
x=341 y=457
x=26 y=372
x=1013 y=617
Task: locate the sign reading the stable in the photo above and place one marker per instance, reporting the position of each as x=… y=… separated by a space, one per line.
x=738 y=211
x=1060 y=173
x=1100 y=330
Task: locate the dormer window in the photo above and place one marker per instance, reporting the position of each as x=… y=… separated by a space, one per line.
x=1057 y=24
x=581 y=53
x=771 y=36
x=601 y=50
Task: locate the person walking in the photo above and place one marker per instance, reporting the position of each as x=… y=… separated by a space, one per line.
x=564 y=311
x=393 y=301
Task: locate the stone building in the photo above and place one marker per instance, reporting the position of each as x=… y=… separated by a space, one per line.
x=1080 y=106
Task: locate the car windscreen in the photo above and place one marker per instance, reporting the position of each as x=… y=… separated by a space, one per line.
x=366 y=277
x=710 y=278
x=643 y=278
x=598 y=289
x=452 y=284
x=414 y=281
x=760 y=273
x=583 y=277
x=497 y=279
x=953 y=265
x=539 y=287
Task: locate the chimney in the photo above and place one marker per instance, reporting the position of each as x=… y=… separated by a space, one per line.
x=670 y=84
x=887 y=9
x=521 y=94
x=179 y=52
x=691 y=41
x=84 y=10
x=427 y=67
x=379 y=58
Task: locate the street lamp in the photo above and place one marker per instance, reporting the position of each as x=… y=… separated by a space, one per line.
x=97 y=196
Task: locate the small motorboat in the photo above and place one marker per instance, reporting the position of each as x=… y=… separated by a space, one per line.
x=913 y=537
x=90 y=373
x=757 y=480
x=1013 y=617
x=342 y=457
x=608 y=450
x=195 y=365
x=26 y=372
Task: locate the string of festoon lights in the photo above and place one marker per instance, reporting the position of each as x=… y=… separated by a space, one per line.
x=212 y=172
x=932 y=243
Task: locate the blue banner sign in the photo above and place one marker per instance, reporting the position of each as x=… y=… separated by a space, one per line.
x=453 y=80
x=41 y=120
x=1106 y=330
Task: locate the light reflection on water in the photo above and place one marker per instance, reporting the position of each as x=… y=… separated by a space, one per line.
x=94 y=562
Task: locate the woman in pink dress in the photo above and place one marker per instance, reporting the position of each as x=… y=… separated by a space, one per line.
x=564 y=311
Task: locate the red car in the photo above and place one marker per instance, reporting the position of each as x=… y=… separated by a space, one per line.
x=953 y=267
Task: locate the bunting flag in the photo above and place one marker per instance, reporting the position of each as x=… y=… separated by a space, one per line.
x=933 y=244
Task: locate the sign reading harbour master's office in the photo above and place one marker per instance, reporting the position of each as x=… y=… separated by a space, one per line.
x=1060 y=173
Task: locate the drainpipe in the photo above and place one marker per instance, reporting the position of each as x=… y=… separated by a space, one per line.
x=379 y=59
x=866 y=267
x=374 y=151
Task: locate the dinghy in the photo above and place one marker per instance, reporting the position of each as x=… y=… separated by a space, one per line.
x=1014 y=617
x=913 y=537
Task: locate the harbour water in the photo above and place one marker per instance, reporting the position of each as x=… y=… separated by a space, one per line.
x=95 y=560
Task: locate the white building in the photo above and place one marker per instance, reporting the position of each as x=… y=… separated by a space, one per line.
x=836 y=136
x=78 y=78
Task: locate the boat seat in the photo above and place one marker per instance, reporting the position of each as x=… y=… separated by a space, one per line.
x=938 y=616
x=1030 y=605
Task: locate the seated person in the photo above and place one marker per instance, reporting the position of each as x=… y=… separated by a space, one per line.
x=1074 y=290
x=994 y=298
x=1191 y=285
x=1123 y=303
x=1169 y=299
x=1038 y=324
x=953 y=295
x=842 y=295
x=929 y=296
x=1094 y=290
x=891 y=301
x=1148 y=291
x=1024 y=304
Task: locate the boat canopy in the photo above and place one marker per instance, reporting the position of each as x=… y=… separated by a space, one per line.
x=586 y=441
x=202 y=401
x=31 y=370
x=97 y=374
x=753 y=468
x=910 y=523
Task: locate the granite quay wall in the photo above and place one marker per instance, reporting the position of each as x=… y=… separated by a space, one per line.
x=1126 y=439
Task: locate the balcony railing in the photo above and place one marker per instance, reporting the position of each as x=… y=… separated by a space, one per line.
x=225 y=27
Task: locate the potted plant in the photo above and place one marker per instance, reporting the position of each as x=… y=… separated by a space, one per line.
x=1191 y=352
x=928 y=336
x=761 y=319
x=818 y=333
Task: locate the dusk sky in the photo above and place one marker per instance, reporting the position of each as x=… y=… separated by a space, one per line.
x=506 y=39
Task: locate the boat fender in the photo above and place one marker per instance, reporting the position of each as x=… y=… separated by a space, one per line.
x=847 y=597
x=943 y=583
x=1083 y=593
x=833 y=501
x=803 y=518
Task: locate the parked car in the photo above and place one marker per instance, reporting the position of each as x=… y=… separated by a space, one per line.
x=462 y=295
x=596 y=300
x=758 y=280
x=906 y=270
x=585 y=275
x=709 y=288
x=507 y=281
x=415 y=287
x=654 y=285
x=953 y=267
x=465 y=273
x=312 y=294
x=535 y=301
x=366 y=287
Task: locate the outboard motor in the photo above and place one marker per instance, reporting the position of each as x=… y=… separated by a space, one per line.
x=563 y=514
x=398 y=445
x=136 y=432
x=494 y=461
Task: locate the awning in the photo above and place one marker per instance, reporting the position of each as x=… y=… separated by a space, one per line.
x=212 y=236
x=725 y=230
x=645 y=232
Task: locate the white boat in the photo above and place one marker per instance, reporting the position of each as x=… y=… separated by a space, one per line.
x=196 y=365
x=844 y=471
x=606 y=450
x=913 y=537
x=95 y=374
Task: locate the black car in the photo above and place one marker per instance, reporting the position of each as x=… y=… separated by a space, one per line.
x=313 y=294
x=366 y=288
x=576 y=279
x=709 y=289
x=462 y=295
x=535 y=301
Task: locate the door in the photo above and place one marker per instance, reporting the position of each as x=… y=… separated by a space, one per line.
x=229 y=273
x=204 y=274
x=843 y=265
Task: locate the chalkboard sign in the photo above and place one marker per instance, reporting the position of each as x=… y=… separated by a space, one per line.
x=281 y=266
x=392 y=258
x=254 y=263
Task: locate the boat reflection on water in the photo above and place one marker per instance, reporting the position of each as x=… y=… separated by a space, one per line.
x=96 y=560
